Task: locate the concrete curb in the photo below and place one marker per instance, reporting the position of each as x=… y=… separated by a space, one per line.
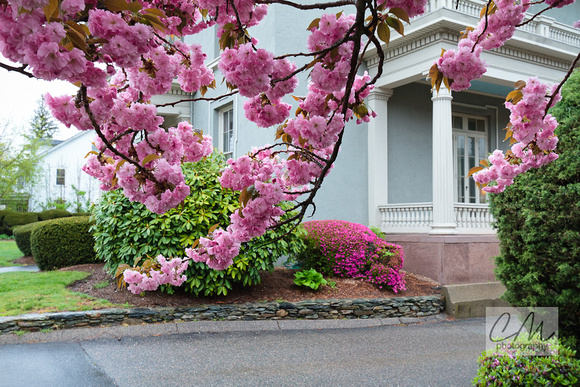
x=198 y=327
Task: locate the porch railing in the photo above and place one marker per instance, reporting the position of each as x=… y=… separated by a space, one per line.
x=543 y=26
x=407 y=216
x=417 y=217
x=473 y=216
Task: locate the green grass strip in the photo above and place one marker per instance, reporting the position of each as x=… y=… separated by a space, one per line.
x=26 y=292
x=8 y=252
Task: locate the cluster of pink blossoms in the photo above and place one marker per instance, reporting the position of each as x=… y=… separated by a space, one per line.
x=465 y=64
x=412 y=7
x=139 y=65
x=255 y=74
x=534 y=132
x=170 y=272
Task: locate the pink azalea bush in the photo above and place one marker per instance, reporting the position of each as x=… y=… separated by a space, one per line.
x=345 y=249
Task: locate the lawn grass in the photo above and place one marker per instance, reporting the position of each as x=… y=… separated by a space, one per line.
x=8 y=252
x=26 y=292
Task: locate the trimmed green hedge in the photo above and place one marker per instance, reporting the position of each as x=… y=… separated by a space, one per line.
x=4 y=229
x=53 y=214
x=63 y=242
x=22 y=237
x=13 y=219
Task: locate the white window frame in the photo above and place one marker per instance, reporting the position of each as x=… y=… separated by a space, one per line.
x=469 y=184
x=226 y=116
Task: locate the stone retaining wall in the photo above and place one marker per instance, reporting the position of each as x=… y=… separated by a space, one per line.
x=312 y=309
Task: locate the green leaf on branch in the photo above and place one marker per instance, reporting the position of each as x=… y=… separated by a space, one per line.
x=116 y=5
x=400 y=13
x=313 y=24
x=384 y=32
x=51 y=10
x=396 y=25
x=150 y=158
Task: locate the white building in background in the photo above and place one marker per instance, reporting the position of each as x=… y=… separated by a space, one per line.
x=63 y=180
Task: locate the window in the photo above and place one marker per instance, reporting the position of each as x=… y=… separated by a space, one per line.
x=226 y=132
x=60 y=177
x=470 y=146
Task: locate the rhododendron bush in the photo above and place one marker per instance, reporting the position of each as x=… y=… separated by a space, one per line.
x=345 y=249
x=122 y=53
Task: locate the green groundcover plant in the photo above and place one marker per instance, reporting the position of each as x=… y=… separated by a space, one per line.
x=516 y=365
x=309 y=279
x=127 y=232
x=538 y=224
x=345 y=249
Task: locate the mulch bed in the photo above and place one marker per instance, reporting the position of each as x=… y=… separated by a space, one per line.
x=277 y=285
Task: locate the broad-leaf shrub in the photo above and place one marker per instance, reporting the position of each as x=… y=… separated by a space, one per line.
x=514 y=367
x=341 y=248
x=125 y=231
x=63 y=242
x=538 y=224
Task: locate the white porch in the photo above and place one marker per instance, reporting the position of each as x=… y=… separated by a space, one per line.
x=436 y=206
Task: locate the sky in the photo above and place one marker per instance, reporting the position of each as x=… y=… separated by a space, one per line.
x=19 y=96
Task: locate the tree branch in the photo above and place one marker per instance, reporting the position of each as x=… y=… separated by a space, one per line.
x=340 y=3
x=20 y=69
x=555 y=93
x=197 y=99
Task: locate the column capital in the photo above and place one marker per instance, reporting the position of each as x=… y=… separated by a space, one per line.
x=380 y=94
x=442 y=94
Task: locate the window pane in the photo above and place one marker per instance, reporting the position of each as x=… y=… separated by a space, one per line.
x=480 y=125
x=60 y=177
x=460 y=168
x=457 y=122
x=471 y=124
x=472 y=163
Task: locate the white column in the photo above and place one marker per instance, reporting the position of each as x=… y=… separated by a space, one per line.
x=443 y=215
x=377 y=154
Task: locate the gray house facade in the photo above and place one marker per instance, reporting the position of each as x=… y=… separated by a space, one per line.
x=405 y=171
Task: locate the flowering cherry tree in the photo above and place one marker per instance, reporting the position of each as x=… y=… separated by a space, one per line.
x=122 y=53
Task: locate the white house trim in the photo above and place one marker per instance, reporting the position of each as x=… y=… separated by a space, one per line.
x=377 y=154
x=443 y=217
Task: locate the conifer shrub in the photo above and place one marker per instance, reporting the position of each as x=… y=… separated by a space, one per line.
x=63 y=242
x=125 y=231
x=538 y=224
x=345 y=249
x=22 y=237
x=53 y=214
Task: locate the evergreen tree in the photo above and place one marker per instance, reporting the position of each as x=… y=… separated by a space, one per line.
x=42 y=125
x=538 y=222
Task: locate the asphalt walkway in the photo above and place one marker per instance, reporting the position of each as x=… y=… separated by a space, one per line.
x=436 y=352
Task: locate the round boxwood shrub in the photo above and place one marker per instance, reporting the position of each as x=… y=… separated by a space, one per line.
x=538 y=224
x=341 y=248
x=517 y=365
x=22 y=237
x=63 y=242
x=126 y=231
x=53 y=214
